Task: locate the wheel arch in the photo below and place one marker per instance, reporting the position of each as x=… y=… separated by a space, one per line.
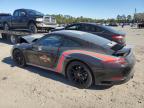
x=31 y=21
x=5 y=22
x=77 y=60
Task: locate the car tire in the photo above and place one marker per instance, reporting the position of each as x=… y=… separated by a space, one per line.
x=19 y=58
x=79 y=74
x=13 y=39
x=32 y=27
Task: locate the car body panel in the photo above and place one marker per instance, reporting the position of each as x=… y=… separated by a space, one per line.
x=31 y=38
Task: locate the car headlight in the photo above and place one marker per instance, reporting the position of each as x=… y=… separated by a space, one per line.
x=39 y=19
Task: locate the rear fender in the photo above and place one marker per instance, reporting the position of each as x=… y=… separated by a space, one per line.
x=91 y=62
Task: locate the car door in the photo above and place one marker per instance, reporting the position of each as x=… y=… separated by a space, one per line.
x=48 y=49
x=19 y=19
x=15 y=19
x=32 y=55
x=23 y=19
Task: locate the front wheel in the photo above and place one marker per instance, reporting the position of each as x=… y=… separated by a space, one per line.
x=79 y=74
x=19 y=58
x=13 y=39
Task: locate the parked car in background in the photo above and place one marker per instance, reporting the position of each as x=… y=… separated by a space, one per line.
x=113 y=24
x=28 y=19
x=84 y=58
x=141 y=25
x=100 y=30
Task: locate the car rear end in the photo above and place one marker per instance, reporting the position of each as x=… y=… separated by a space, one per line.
x=120 y=69
x=115 y=35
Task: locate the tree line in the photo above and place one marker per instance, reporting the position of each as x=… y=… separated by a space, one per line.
x=66 y=19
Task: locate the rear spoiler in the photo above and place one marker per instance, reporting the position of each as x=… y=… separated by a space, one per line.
x=123 y=52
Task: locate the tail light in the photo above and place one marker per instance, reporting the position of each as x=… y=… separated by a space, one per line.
x=121 y=61
x=119 y=38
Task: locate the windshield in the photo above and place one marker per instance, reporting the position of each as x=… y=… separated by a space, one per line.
x=33 y=12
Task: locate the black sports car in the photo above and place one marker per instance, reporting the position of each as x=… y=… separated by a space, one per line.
x=83 y=57
x=100 y=30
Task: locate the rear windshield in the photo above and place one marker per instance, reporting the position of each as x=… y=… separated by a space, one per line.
x=102 y=42
x=112 y=30
x=95 y=39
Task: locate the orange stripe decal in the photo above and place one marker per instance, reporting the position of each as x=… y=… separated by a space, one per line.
x=105 y=58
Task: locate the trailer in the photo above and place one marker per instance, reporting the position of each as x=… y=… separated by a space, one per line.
x=13 y=36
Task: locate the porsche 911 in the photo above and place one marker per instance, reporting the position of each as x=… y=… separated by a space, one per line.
x=85 y=59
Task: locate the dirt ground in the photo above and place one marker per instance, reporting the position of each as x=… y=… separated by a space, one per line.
x=37 y=88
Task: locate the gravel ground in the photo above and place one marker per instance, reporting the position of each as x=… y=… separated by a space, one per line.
x=37 y=88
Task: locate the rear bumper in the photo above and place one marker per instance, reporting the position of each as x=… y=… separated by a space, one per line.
x=114 y=75
x=109 y=78
x=116 y=80
x=125 y=79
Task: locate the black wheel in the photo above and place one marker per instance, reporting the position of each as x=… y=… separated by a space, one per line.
x=13 y=39
x=19 y=58
x=79 y=74
x=32 y=27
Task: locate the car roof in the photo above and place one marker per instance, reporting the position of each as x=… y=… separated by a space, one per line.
x=89 y=23
x=92 y=38
x=92 y=24
x=25 y=9
x=102 y=26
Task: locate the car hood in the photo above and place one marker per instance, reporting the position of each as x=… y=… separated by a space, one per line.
x=32 y=38
x=58 y=29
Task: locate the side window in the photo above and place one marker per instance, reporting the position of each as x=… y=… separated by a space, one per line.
x=16 y=13
x=50 y=41
x=74 y=27
x=70 y=43
x=98 y=29
x=92 y=28
x=31 y=13
x=22 y=13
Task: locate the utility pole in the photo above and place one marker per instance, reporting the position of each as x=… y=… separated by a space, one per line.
x=135 y=11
